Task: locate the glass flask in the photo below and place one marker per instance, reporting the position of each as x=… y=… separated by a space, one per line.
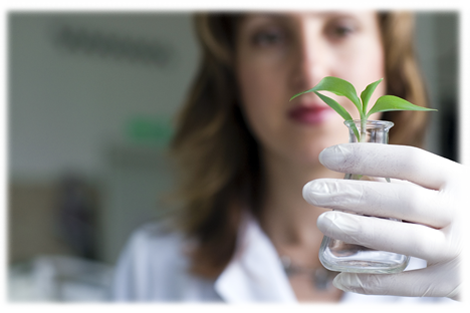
x=340 y=256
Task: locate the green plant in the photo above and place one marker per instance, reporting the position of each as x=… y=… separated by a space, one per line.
x=342 y=87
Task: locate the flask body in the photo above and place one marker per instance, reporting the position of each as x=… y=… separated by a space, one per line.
x=337 y=255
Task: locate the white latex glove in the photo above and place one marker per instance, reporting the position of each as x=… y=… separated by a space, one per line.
x=432 y=202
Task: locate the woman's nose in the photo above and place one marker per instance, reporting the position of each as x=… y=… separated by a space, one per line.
x=311 y=60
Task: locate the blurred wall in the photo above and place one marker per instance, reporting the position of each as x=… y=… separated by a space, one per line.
x=60 y=106
x=426 y=45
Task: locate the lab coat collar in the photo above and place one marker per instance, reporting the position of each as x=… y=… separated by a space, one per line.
x=255 y=272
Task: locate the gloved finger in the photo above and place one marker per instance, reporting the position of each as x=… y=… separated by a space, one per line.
x=394 y=161
x=400 y=201
x=386 y=235
x=416 y=283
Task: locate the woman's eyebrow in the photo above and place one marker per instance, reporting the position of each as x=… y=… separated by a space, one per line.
x=335 y=9
x=268 y=13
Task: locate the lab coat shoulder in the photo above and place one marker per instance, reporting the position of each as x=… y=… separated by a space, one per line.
x=154 y=267
x=141 y=262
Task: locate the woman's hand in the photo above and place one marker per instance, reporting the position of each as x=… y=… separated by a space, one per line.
x=430 y=196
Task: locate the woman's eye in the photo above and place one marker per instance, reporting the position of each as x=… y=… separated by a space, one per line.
x=266 y=38
x=340 y=31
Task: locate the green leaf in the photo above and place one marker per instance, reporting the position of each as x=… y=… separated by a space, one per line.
x=301 y=93
x=367 y=93
x=337 y=86
x=393 y=103
x=339 y=109
x=335 y=106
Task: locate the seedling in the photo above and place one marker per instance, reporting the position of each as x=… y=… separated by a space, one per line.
x=342 y=87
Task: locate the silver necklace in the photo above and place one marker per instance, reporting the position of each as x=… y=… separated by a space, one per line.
x=321 y=278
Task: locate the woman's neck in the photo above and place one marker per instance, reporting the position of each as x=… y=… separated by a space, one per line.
x=288 y=220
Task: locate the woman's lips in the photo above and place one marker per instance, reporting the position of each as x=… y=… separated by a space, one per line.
x=310 y=114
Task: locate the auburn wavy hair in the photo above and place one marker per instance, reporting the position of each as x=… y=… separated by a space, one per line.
x=216 y=157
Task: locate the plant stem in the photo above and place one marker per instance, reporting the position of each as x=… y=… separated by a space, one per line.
x=363 y=130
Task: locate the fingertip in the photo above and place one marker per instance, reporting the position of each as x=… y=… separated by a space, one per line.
x=336 y=223
x=332 y=157
x=306 y=191
x=349 y=282
x=338 y=282
x=323 y=156
x=317 y=192
x=322 y=219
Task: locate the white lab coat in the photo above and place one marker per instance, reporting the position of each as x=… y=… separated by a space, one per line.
x=154 y=267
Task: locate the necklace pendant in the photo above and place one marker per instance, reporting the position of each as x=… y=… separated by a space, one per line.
x=321 y=278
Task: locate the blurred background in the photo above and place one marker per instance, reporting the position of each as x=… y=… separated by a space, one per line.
x=91 y=98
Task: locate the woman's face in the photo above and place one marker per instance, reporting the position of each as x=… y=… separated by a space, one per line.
x=280 y=55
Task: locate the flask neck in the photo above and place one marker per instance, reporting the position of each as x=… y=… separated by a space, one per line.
x=371 y=131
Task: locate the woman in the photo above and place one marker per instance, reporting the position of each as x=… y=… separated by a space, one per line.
x=245 y=152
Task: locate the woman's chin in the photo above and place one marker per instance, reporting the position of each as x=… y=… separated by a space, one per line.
x=308 y=155
x=306 y=158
